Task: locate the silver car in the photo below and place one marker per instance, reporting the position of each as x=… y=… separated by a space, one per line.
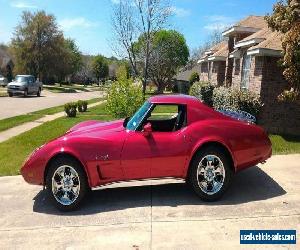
x=3 y=81
x=24 y=85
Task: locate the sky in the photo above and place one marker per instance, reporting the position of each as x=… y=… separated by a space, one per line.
x=88 y=22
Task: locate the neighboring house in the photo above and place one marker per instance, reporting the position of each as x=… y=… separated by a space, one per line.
x=248 y=59
x=6 y=64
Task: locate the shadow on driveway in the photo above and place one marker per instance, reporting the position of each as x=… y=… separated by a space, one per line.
x=250 y=185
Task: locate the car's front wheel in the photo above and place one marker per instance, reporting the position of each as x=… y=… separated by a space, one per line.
x=38 y=94
x=66 y=183
x=210 y=173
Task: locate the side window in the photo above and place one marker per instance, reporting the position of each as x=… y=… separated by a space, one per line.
x=167 y=117
x=164 y=112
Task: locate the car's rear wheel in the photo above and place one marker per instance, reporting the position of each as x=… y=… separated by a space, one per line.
x=38 y=94
x=66 y=183
x=210 y=173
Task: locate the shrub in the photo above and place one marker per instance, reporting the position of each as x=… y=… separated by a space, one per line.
x=181 y=87
x=194 y=77
x=82 y=106
x=203 y=91
x=234 y=99
x=288 y=96
x=225 y=98
x=124 y=97
x=71 y=109
x=250 y=102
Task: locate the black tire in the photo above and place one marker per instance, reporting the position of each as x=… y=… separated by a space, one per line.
x=83 y=183
x=38 y=94
x=25 y=93
x=201 y=156
x=10 y=94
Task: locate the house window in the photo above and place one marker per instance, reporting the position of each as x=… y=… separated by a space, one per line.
x=210 y=64
x=245 y=71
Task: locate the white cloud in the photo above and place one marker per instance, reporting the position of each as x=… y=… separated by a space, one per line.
x=219 y=22
x=79 y=22
x=23 y=5
x=179 y=12
x=115 y=1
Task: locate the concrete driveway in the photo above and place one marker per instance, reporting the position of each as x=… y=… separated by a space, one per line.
x=167 y=216
x=19 y=105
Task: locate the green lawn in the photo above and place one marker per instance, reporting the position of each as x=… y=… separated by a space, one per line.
x=285 y=144
x=15 y=150
x=20 y=119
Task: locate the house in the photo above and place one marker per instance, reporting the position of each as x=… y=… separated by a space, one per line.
x=6 y=64
x=247 y=59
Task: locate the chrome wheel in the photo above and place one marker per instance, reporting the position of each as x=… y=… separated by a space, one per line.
x=65 y=185
x=210 y=174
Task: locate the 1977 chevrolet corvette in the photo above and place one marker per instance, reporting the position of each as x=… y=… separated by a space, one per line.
x=195 y=143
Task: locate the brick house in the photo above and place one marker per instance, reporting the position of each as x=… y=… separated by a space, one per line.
x=248 y=59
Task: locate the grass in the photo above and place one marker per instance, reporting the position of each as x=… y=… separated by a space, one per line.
x=284 y=144
x=15 y=150
x=21 y=119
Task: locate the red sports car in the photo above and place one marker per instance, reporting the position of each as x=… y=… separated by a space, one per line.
x=169 y=136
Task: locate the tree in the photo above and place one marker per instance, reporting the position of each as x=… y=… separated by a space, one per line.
x=169 y=52
x=194 y=77
x=286 y=19
x=36 y=44
x=100 y=67
x=69 y=60
x=145 y=18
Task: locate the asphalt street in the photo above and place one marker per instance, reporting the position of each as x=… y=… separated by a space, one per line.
x=18 y=105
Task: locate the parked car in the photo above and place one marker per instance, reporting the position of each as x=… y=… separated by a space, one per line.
x=196 y=143
x=24 y=85
x=3 y=81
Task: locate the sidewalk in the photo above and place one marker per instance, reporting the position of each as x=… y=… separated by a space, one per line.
x=9 y=133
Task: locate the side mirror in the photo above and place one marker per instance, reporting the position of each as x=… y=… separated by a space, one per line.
x=147 y=129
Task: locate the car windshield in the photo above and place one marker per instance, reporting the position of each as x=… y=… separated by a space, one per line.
x=136 y=120
x=20 y=79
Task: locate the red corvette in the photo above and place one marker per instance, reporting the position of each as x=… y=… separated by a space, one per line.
x=190 y=141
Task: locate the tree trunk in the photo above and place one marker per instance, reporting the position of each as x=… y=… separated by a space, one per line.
x=161 y=87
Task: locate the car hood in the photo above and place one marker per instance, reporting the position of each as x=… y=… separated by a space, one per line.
x=97 y=128
x=16 y=83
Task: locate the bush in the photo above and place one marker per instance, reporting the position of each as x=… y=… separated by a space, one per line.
x=250 y=102
x=124 y=97
x=181 y=87
x=288 y=95
x=234 y=99
x=194 y=78
x=203 y=91
x=225 y=98
x=71 y=109
x=82 y=106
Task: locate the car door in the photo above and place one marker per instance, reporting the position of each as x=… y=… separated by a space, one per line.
x=136 y=156
x=168 y=140
x=30 y=85
x=168 y=153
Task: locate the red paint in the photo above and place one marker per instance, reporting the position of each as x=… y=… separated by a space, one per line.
x=149 y=154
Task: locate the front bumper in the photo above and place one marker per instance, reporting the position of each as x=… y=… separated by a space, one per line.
x=15 y=92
